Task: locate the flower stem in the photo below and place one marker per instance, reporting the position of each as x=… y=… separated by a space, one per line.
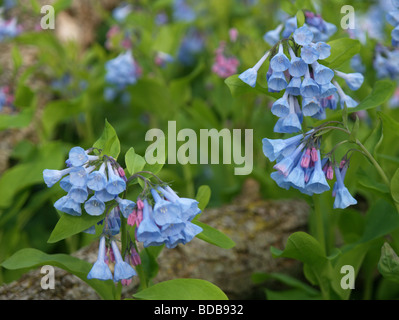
x=375 y=163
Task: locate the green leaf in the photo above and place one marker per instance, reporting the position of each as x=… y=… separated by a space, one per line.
x=203 y=196
x=300 y=18
x=395 y=186
x=238 y=87
x=19 y=120
x=69 y=225
x=389 y=123
x=342 y=50
x=16 y=57
x=31 y=258
x=182 y=289
x=134 y=162
x=108 y=142
x=382 y=91
x=61 y=5
x=214 y=236
x=28 y=174
x=388 y=264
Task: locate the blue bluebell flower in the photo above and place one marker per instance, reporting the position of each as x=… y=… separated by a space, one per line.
x=188 y=206
x=327 y=90
x=273 y=36
x=112 y=223
x=309 y=54
x=94 y=206
x=298 y=67
x=317 y=182
x=165 y=212
x=116 y=184
x=323 y=49
x=353 y=80
x=97 y=180
x=277 y=81
x=322 y=74
x=274 y=148
x=280 y=107
x=51 y=177
x=288 y=162
x=392 y=17
x=343 y=198
x=122 y=70
x=121 y=12
x=309 y=87
x=78 y=156
x=9 y=29
x=68 y=205
x=78 y=194
x=294 y=87
x=65 y=184
x=122 y=270
x=344 y=98
x=148 y=232
x=290 y=26
x=280 y=62
x=310 y=106
x=249 y=76
x=296 y=177
x=395 y=33
x=126 y=206
x=303 y=36
x=78 y=177
x=104 y=195
x=100 y=269
x=290 y=123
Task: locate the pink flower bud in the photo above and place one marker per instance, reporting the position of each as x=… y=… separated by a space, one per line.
x=314 y=155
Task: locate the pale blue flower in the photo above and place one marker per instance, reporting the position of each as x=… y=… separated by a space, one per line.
x=126 y=206
x=298 y=67
x=148 y=232
x=94 y=206
x=343 y=198
x=273 y=36
x=280 y=107
x=353 y=80
x=280 y=61
x=249 y=76
x=294 y=87
x=100 y=269
x=309 y=54
x=115 y=184
x=310 y=106
x=322 y=74
x=68 y=205
x=303 y=36
x=277 y=81
x=51 y=177
x=317 y=182
x=309 y=87
x=165 y=212
x=97 y=180
x=122 y=270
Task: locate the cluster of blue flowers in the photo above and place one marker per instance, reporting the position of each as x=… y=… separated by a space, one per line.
x=168 y=221
x=303 y=76
x=300 y=165
x=393 y=19
x=88 y=175
x=160 y=217
x=309 y=88
x=121 y=72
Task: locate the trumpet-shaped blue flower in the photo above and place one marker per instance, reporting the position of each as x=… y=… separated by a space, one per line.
x=343 y=198
x=290 y=26
x=327 y=90
x=323 y=49
x=303 y=35
x=68 y=205
x=280 y=61
x=322 y=74
x=309 y=87
x=280 y=107
x=78 y=194
x=148 y=232
x=290 y=123
x=78 y=177
x=249 y=76
x=287 y=163
x=100 y=269
x=94 y=206
x=294 y=87
x=317 y=182
x=309 y=54
x=297 y=67
x=97 y=180
x=353 y=80
x=274 y=148
x=165 y=212
x=277 y=81
x=115 y=184
x=310 y=106
x=122 y=269
x=273 y=36
x=126 y=206
x=51 y=177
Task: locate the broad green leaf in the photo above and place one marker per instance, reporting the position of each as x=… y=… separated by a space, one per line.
x=382 y=91
x=19 y=120
x=389 y=123
x=395 y=186
x=214 y=236
x=182 y=289
x=108 y=142
x=388 y=265
x=69 y=225
x=20 y=176
x=342 y=50
x=31 y=258
x=238 y=87
x=203 y=196
x=134 y=162
x=61 y=5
